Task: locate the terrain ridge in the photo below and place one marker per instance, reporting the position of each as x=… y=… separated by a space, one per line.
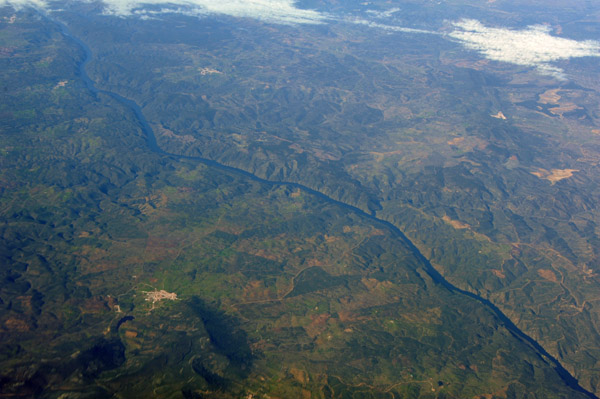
x=567 y=378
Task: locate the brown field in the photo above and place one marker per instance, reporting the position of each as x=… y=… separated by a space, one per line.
x=14 y=324
x=468 y=145
x=455 y=223
x=131 y=334
x=547 y=274
x=550 y=97
x=555 y=174
x=563 y=109
x=498 y=273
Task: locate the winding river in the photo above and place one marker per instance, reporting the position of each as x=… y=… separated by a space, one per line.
x=433 y=273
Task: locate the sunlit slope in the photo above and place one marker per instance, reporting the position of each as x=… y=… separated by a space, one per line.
x=488 y=167
x=129 y=273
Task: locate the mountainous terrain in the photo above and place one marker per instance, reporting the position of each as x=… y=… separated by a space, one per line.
x=323 y=201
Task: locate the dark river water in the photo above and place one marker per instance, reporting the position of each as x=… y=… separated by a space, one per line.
x=433 y=273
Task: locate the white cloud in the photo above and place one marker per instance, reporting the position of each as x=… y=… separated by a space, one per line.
x=390 y=28
x=532 y=46
x=277 y=11
x=383 y=14
x=18 y=4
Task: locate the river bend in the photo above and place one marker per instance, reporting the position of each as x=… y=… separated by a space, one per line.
x=568 y=379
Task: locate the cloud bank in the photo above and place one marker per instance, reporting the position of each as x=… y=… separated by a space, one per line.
x=383 y=14
x=278 y=11
x=18 y=4
x=390 y=28
x=275 y=11
x=533 y=46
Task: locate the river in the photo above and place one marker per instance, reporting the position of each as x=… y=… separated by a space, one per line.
x=433 y=273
